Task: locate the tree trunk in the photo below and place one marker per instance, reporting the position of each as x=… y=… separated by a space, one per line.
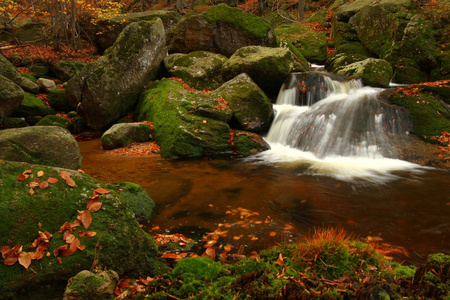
x=301 y=9
x=262 y=7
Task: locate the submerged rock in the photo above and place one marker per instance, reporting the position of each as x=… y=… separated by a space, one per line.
x=44 y=145
x=110 y=238
x=109 y=88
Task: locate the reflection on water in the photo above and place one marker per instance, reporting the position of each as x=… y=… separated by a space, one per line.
x=196 y=196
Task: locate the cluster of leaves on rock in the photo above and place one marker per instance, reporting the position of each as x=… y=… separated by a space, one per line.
x=41 y=243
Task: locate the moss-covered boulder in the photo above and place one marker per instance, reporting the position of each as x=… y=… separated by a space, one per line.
x=11 y=95
x=372 y=71
x=252 y=110
x=346 y=9
x=342 y=33
x=45 y=145
x=429 y=116
x=90 y=285
x=8 y=70
x=433 y=277
x=32 y=106
x=103 y=33
x=311 y=44
x=194 y=124
x=106 y=235
x=122 y=134
x=220 y=29
x=66 y=69
x=109 y=88
x=407 y=71
x=57 y=100
x=346 y=54
x=53 y=120
x=199 y=69
x=139 y=201
x=267 y=67
x=11 y=122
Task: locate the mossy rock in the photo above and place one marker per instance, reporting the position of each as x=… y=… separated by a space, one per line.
x=39 y=70
x=57 y=100
x=201 y=70
x=345 y=9
x=12 y=122
x=88 y=285
x=45 y=145
x=433 y=277
x=8 y=70
x=342 y=33
x=120 y=244
x=120 y=135
x=267 y=67
x=52 y=120
x=32 y=106
x=312 y=44
x=430 y=118
x=11 y=96
x=407 y=71
x=137 y=198
x=373 y=72
x=248 y=143
x=347 y=54
x=66 y=69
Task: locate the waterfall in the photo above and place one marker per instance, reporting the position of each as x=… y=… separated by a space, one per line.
x=335 y=127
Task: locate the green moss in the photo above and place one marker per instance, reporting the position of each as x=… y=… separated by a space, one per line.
x=428 y=115
x=32 y=106
x=52 y=120
x=222 y=13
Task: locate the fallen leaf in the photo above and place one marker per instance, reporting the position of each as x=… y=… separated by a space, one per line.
x=22 y=177
x=11 y=259
x=25 y=259
x=65 y=175
x=210 y=252
x=255 y=256
x=34 y=183
x=69 y=239
x=85 y=218
x=280 y=260
x=43 y=185
x=52 y=180
x=70 y=182
x=101 y=191
x=90 y=233
x=31 y=192
x=40 y=173
x=59 y=260
x=272 y=234
x=155 y=228
x=95 y=206
x=59 y=249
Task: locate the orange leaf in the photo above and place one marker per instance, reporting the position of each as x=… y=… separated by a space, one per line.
x=81 y=233
x=91 y=200
x=69 y=239
x=64 y=175
x=60 y=248
x=59 y=260
x=280 y=260
x=85 y=218
x=255 y=256
x=95 y=206
x=11 y=259
x=52 y=180
x=40 y=173
x=70 y=182
x=90 y=233
x=273 y=233
x=25 y=259
x=210 y=252
x=22 y=177
x=34 y=183
x=101 y=191
x=43 y=185
x=31 y=192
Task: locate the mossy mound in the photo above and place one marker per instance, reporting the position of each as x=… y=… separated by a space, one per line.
x=11 y=95
x=52 y=120
x=430 y=118
x=57 y=100
x=194 y=124
x=119 y=243
x=32 y=106
x=407 y=71
x=66 y=69
x=346 y=54
x=88 y=285
x=311 y=44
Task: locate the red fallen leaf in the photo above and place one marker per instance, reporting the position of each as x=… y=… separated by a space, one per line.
x=255 y=256
x=59 y=260
x=26 y=172
x=210 y=252
x=101 y=191
x=69 y=251
x=22 y=177
x=25 y=259
x=280 y=260
x=31 y=192
x=81 y=247
x=11 y=259
x=70 y=182
x=65 y=175
x=43 y=185
x=35 y=243
x=52 y=180
x=5 y=250
x=273 y=233
x=39 y=253
x=93 y=199
x=59 y=249
x=45 y=236
x=39 y=225
x=85 y=218
x=90 y=233
x=81 y=233
x=95 y=206
x=67 y=233
x=69 y=239
x=169 y=255
x=145 y=281
x=40 y=173
x=155 y=228
x=34 y=183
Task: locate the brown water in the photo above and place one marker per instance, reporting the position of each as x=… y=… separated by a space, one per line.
x=194 y=197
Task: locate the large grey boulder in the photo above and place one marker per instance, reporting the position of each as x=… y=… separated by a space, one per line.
x=220 y=29
x=11 y=95
x=372 y=71
x=122 y=134
x=267 y=67
x=199 y=69
x=109 y=88
x=44 y=145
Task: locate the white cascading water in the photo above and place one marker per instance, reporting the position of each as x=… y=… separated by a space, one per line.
x=335 y=128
